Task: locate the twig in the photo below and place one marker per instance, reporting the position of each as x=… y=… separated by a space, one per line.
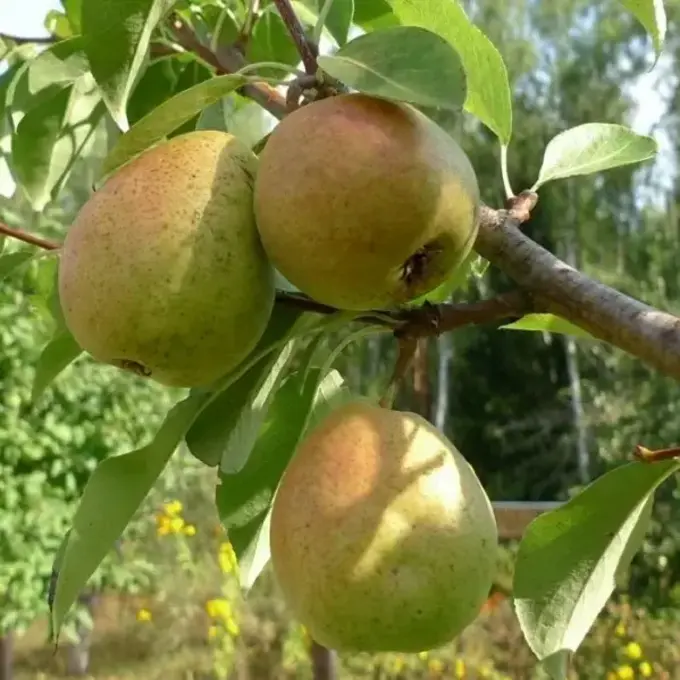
x=649 y=334
x=20 y=40
x=407 y=352
x=646 y=455
x=26 y=237
x=229 y=60
x=308 y=52
x=249 y=23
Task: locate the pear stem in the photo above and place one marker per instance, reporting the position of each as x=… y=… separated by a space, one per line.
x=407 y=351
x=307 y=50
x=26 y=237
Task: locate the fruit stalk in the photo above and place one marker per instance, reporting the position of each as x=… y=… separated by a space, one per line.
x=26 y=237
x=308 y=52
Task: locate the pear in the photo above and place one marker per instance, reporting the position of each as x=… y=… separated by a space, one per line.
x=362 y=202
x=162 y=272
x=382 y=537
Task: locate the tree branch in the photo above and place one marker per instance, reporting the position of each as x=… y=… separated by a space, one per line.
x=20 y=40
x=32 y=239
x=308 y=52
x=650 y=335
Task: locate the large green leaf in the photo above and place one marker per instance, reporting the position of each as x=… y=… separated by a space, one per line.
x=111 y=497
x=336 y=16
x=226 y=430
x=652 y=15
x=167 y=117
x=117 y=39
x=547 y=322
x=10 y=262
x=569 y=558
x=61 y=63
x=405 y=63
x=271 y=41
x=488 y=90
x=592 y=147
x=73 y=9
x=61 y=351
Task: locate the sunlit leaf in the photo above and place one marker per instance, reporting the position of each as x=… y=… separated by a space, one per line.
x=592 y=147
x=59 y=353
x=547 y=322
x=652 y=15
x=404 y=63
x=569 y=558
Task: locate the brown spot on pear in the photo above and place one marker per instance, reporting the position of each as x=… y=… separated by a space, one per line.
x=382 y=537
x=363 y=202
x=162 y=273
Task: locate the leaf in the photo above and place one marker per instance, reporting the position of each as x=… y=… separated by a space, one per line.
x=569 y=557
x=57 y=24
x=590 y=148
x=61 y=351
x=652 y=15
x=62 y=63
x=336 y=16
x=157 y=84
x=73 y=9
x=488 y=90
x=403 y=63
x=117 y=39
x=12 y=261
x=271 y=41
x=167 y=117
x=244 y=499
x=547 y=322
x=111 y=497
x=373 y=15
x=230 y=423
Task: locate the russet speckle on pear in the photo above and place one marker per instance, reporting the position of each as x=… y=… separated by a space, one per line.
x=163 y=272
x=382 y=537
x=362 y=202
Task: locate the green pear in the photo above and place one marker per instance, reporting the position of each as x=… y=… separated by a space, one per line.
x=362 y=202
x=382 y=537
x=162 y=272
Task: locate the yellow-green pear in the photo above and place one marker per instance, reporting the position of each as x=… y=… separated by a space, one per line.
x=382 y=537
x=362 y=202
x=162 y=272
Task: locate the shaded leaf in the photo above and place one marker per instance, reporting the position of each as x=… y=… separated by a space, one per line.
x=167 y=117
x=547 y=322
x=117 y=39
x=111 y=497
x=336 y=16
x=231 y=422
x=59 y=353
x=271 y=41
x=10 y=262
x=652 y=15
x=157 y=84
x=61 y=63
x=488 y=89
x=403 y=63
x=73 y=9
x=592 y=147
x=569 y=557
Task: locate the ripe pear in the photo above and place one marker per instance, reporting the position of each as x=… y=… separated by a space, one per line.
x=382 y=537
x=162 y=272
x=362 y=202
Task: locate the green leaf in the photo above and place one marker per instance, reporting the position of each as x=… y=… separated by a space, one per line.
x=336 y=16
x=12 y=261
x=271 y=41
x=488 y=90
x=569 y=557
x=167 y=117
x=57 y=24
x=194 y=74
x=73 y=9
x=652 y=15
x=403 y=63
x=547 y=322
x=61 y=351
x=157 y=84
x=111 y=497
x=592 y=147
x=244 y=499
x=226 y=429
x=117 y=40
x=51 y=136
x=373 y=15
x=61 y=63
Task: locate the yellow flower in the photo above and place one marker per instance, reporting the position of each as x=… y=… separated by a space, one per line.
x=399 y=664
x=625 y=672
x=176 y=525
x=422 y=655
x=460 y=668
x=213 y=632
x=233 y=628
x=143 y=615
x=227 y=558
x=485 y=670
x=633 y=651
x=645 y=669
x=173 y=508
x=218 y=609
x=163 y=527
x=620 y=630
x=189 y=530
x=435 y=666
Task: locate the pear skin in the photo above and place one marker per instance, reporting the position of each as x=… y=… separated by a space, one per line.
x=163 y=272
x=382 y=537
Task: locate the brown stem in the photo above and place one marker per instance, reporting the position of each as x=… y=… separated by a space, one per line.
x=407 y=352
x=26 y=237
x=229 y=60
x=307 y=51
x=646 y=455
